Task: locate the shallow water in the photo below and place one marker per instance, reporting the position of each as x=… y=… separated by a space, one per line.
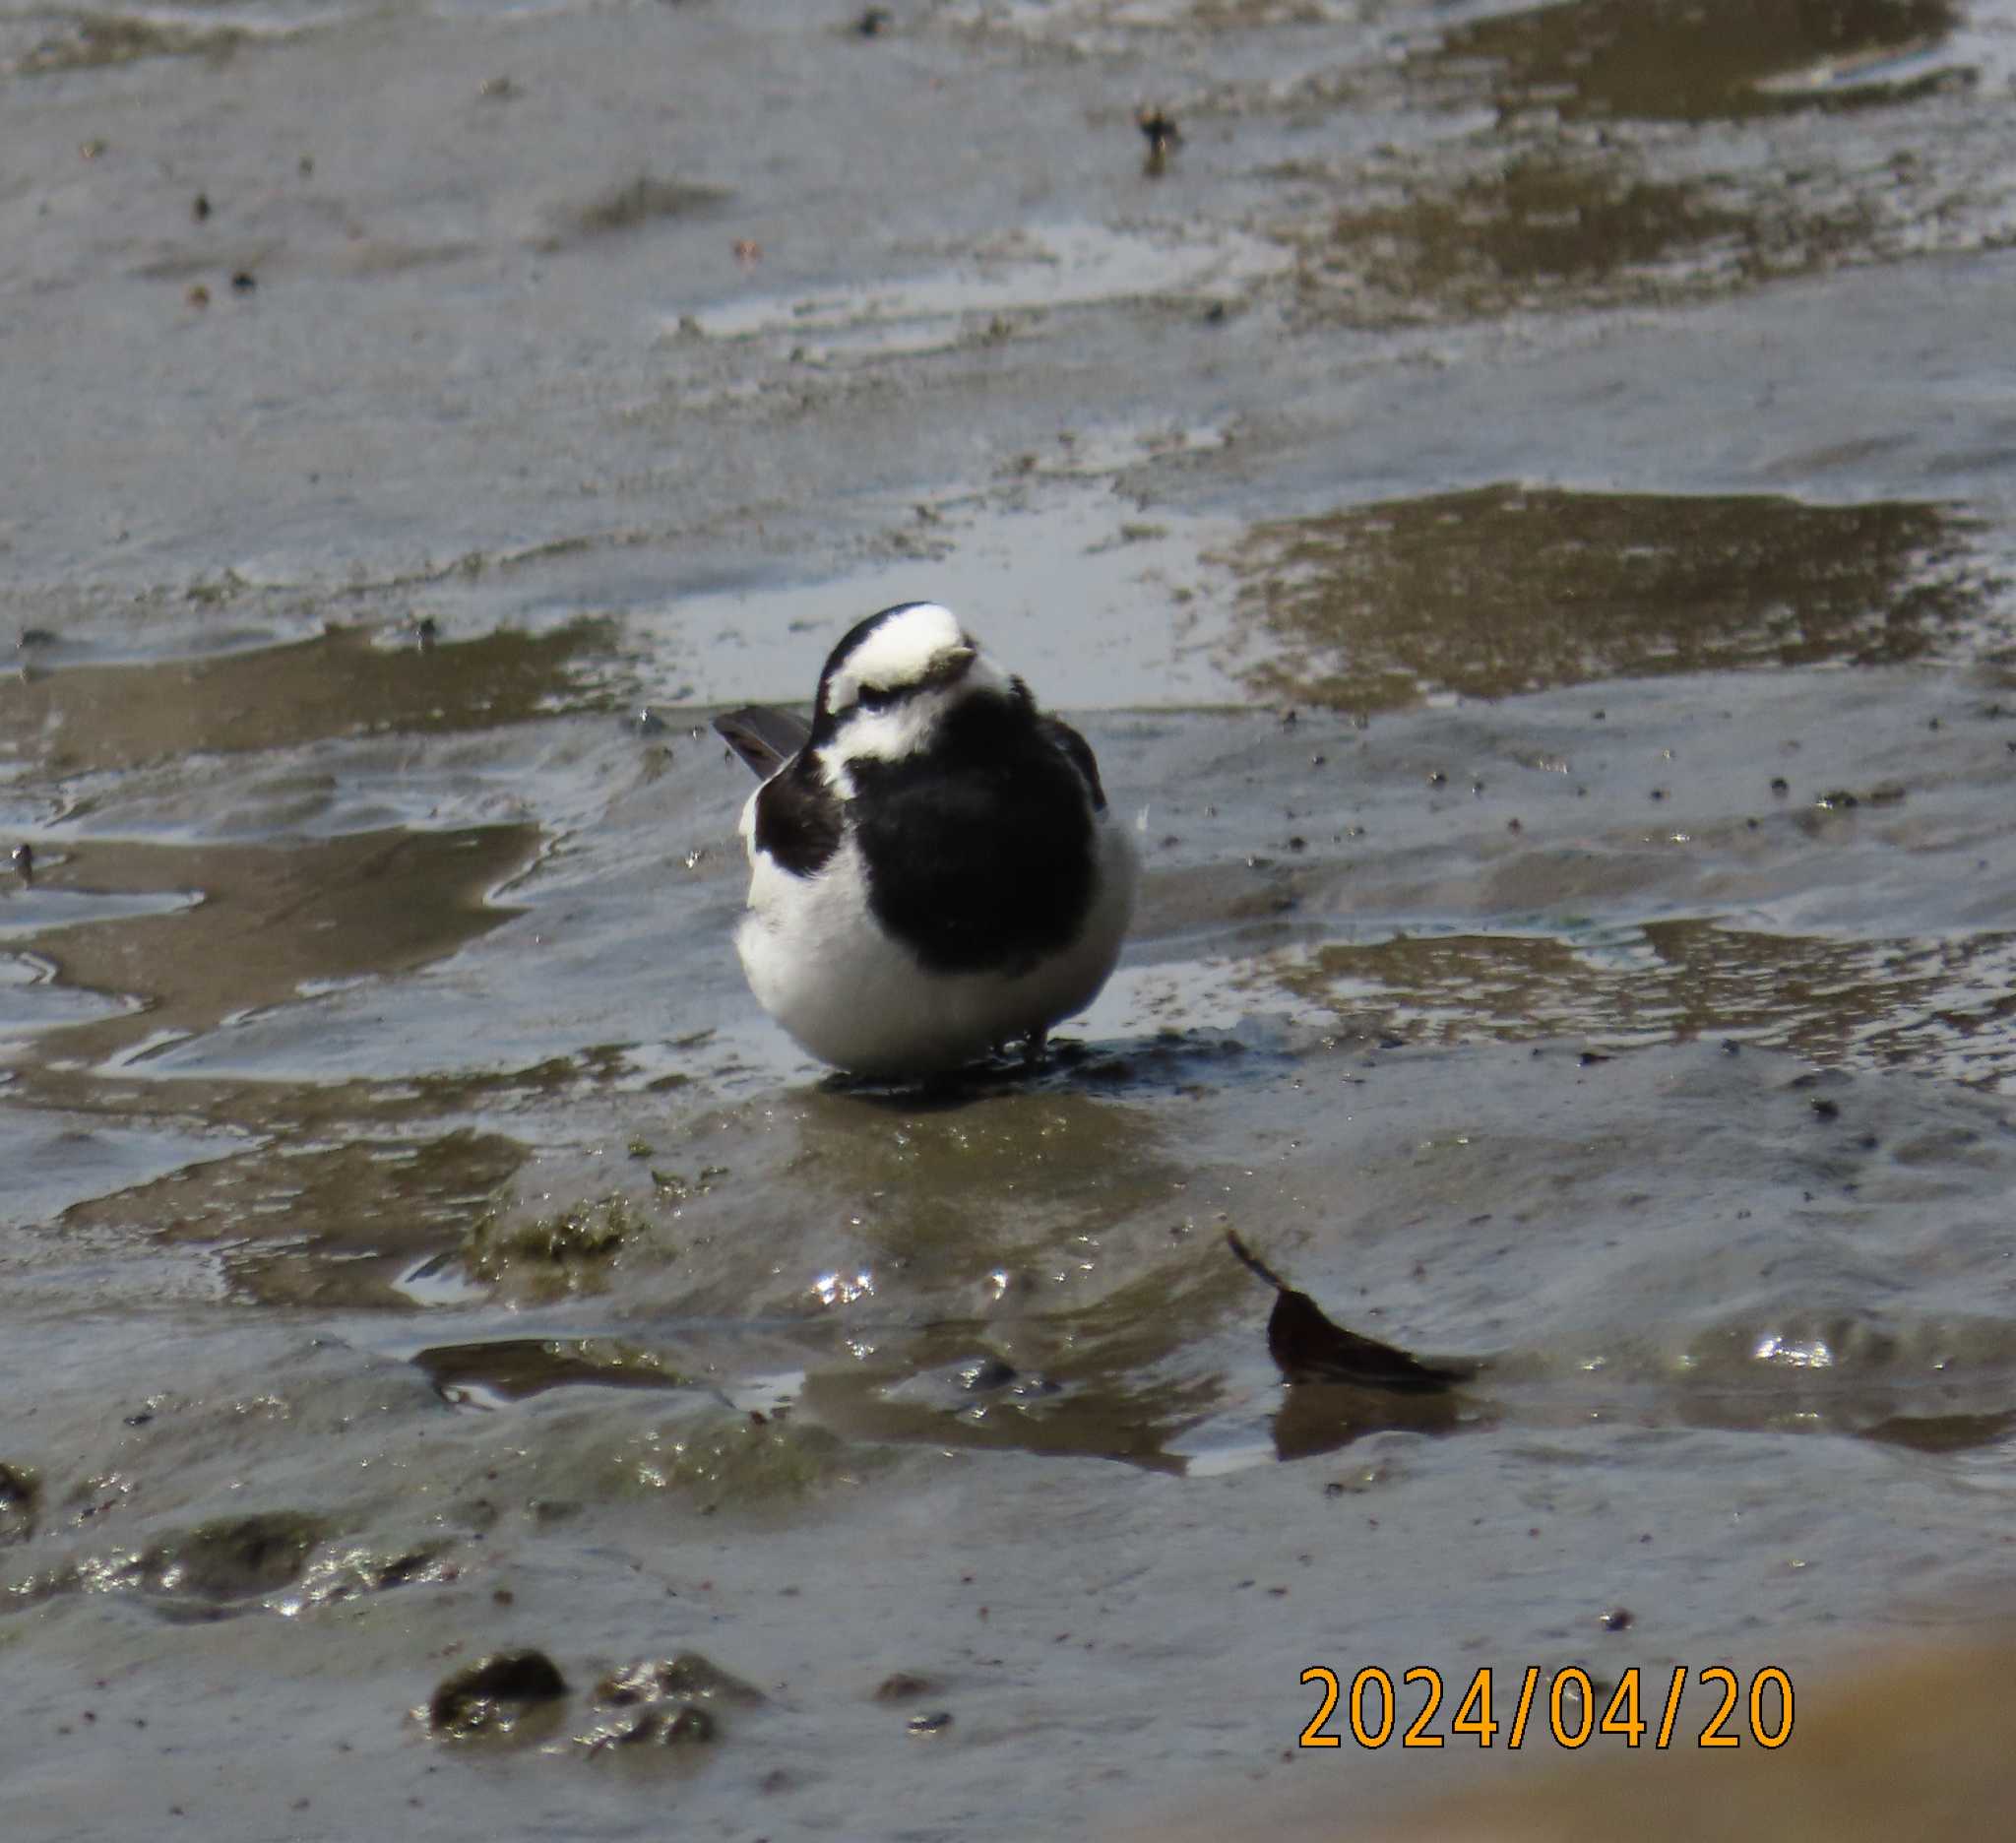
x=1520 y=500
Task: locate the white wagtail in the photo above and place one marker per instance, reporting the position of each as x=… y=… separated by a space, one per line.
x=934 y=872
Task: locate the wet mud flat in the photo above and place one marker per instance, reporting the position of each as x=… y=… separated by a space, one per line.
x=1519 y=498
x=344 y=1379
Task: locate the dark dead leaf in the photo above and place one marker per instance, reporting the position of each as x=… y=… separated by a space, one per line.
x=1308 y=1345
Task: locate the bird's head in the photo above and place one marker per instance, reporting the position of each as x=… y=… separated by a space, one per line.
x=893 y=678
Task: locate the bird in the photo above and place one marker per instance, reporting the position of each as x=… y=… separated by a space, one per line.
x=934 y=872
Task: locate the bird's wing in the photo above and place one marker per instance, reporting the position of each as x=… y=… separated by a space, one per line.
x=764 y=738
x=1078 y=751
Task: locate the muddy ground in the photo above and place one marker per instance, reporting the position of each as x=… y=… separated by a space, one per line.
x=1520 y=500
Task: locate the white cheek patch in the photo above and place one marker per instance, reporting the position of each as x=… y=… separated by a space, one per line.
x=905 y=728
x=891 y=735
x=908 y=727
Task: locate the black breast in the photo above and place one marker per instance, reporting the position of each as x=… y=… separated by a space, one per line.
x=979 y=851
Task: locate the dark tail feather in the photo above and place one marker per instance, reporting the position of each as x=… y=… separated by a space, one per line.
x=764 y=738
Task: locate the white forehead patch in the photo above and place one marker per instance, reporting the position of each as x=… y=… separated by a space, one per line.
x=900 y=652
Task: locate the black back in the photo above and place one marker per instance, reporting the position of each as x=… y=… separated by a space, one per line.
x=979 y=851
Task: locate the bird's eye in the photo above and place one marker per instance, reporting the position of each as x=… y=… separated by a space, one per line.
x=875 y=697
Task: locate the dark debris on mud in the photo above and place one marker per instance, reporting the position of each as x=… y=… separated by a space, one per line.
x=491 y=1698
x=1308 y=1345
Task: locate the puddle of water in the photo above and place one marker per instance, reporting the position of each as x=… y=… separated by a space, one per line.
x=1938 y=1006
x=52 y=907
x=1675 y=60
x=347 y=681
x=511 y=1369
x=55 y=1160
x=31 y=1000
x=1040 y=575
x=298 y=1222
x=246 y=925
x=1553 y=228
x=1583 y=194
x=1507 y=590
x=1543 y=227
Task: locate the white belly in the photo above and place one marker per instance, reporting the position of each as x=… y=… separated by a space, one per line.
x=820 y=964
